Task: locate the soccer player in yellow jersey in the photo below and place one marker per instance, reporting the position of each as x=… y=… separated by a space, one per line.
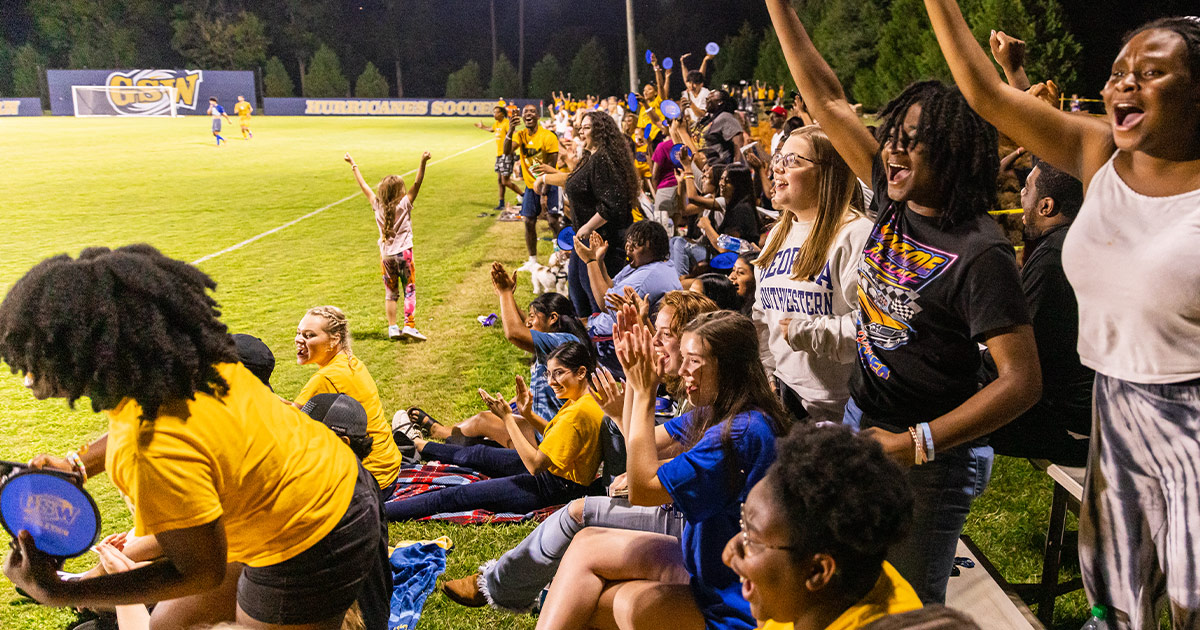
x=504 y=161
x=243 y=111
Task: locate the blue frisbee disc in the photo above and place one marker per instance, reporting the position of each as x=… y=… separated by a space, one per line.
x=566 y=238
x=676 y=151
x=670 y=109
x=649 y=56
x=662 y=405
x=647 y=130
x=667 y=64
x=723 y=261
x=632 y=102
x=712 y=48
x=61 y=516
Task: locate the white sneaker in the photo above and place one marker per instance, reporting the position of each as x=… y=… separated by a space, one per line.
x=409 y=331
x=394 y=332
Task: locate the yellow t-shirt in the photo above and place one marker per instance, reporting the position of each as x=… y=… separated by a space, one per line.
x=347 y=375
x=644 y=118
x=641 y=154
x=278 y=480
x=242 y=109
x=533 y=149
x=891 y=595
x=572 y=441
x=500 y=130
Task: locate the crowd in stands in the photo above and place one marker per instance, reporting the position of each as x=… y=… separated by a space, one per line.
x=770 y=398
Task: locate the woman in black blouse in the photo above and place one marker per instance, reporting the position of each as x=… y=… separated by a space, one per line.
x=602 y=191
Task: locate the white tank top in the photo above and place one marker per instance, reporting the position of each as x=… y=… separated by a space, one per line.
x=1134 y=262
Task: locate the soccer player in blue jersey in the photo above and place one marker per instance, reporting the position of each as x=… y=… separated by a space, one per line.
x=217 y=112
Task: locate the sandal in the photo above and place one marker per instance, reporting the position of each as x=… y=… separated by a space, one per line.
x=422 y=420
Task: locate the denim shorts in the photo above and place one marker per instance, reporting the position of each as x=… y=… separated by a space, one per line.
x=324 y=580
x=531 y=202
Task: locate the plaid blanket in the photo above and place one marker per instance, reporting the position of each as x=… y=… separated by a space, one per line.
x=431 y=477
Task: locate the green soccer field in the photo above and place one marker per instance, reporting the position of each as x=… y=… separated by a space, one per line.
x=71 y=183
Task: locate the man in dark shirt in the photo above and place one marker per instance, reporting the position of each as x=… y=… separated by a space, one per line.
x=1056 y=428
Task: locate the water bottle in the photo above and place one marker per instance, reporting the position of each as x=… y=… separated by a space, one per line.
x=733 y=244
x=1098 y=620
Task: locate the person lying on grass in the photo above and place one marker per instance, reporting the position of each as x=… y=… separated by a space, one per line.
x=530 y=475
x=632 y=579
x=810 y=554
x=549 y=323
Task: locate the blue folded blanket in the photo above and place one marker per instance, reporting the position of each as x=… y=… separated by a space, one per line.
x=415 y=569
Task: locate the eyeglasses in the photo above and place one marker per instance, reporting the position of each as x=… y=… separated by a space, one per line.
x=789 y=160
x=752 y=547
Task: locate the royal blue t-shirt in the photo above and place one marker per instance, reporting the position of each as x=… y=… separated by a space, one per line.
x=708 y=488
x=545 y=403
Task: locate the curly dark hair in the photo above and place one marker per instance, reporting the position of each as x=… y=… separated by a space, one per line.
x=961 y=147
x=651 y=234
x=610 y=143
x=115 y=324
x=843 y=496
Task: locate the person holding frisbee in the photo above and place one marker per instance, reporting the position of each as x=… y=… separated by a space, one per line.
x=220 y=469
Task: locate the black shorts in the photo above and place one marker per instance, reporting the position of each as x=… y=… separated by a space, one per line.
x=504 y=164
x=324 y=580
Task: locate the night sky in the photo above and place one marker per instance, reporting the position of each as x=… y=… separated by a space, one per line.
x=461 y=30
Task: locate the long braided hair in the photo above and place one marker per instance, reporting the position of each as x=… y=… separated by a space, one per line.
x=961 y=148
x=116 y=324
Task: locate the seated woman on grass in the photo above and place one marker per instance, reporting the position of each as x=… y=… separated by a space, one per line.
x=632 y=579
x=323 y=338
x=550 y=323
x=528 y=476
x=811 y=551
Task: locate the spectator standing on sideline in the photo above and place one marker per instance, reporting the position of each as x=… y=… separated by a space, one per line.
x=1132 y=259
x=602 y=190
x=1051 y=201
x=504 y=161
x=534 y=145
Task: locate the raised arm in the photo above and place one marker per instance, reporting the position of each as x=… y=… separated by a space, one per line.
x=362 y=183
x=821 y=91
x=512 y=319
x=1078 y=145
x=1009 y=52
x=416 y=185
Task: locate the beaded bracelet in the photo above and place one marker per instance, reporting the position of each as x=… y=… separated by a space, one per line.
x=77 y=464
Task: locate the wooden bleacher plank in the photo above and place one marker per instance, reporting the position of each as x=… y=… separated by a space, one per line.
x=1069 y=477
x=980 y=592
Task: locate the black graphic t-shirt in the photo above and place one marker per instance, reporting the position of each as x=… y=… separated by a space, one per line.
x=927 y=297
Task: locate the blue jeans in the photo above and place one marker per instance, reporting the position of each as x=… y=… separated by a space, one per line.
x=685 y=254
x=942 y=494
x=515 y=580
x=580 y=289
x=510 y=489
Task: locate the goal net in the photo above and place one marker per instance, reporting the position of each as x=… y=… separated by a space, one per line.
x=125 y=100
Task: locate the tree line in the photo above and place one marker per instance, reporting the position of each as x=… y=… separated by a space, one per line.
x=875 y=46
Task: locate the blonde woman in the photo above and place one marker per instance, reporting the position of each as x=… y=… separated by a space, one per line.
x=323 y=339
x=807 y=277
x=393 y=205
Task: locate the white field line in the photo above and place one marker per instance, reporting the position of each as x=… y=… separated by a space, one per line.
x=314 y=213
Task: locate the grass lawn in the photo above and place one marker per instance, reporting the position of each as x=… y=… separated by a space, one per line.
x=73 y=183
